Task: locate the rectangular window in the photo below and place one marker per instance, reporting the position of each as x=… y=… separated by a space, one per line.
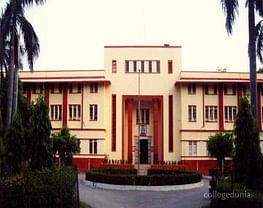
x=126 y=66
x=210 y=89
x=211 y=113
x=37 y=89
x=145 y=116
x=74 y=112
x=170 y=109
x=150 y=66
x=191 y=89
x=229 y=89
x=230 y=113
x=55 y=112
x=56 y=89
x=93 y=146
x=158 y=66
x=134 y=66
x=192 y=148
x=114 y=66
x=93 y=87
x=75 y=88
x=170 y=66
x=93 y=112
x=192 y=113
x=142 y=66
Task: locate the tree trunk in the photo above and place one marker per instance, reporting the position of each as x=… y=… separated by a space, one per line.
x=16 y=76
x=252 y=57
x=10 y=88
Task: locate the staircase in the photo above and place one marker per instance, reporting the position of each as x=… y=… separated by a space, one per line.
x=143 y=168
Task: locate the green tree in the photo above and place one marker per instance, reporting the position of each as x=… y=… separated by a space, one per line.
x=41 y=145
x=65 y=145
x=230 y=8
x=247 y=161
x=14 y=145
x=220 y=146
x=13 y=25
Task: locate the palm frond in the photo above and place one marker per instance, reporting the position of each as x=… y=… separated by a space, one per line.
x=30 y=39
x=230 y=8
x=259 y=40
x=31 y=2
x=259 y=7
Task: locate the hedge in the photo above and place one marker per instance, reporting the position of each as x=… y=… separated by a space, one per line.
x=113 y=171
x=165 y=172
x=47 y=188
x=153 y=180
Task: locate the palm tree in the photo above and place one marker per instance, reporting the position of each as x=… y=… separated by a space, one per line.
x=15 y=25
x=230 y=8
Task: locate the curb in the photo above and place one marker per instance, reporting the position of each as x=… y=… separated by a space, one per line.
x=142 y=188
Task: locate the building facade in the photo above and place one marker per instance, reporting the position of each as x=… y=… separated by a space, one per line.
x=142 y=108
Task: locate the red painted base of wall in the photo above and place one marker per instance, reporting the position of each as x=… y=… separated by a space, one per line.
x=202 y=166
x=83 y=164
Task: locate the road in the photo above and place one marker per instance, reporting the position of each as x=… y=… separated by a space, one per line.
x=99 y=198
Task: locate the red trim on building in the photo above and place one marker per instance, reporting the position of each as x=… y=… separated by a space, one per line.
x=123 y=116
x=155 y=130
x=162 y=135
x=84 y=164
x=259 y=109
x=113 y=124
x=238 y=96
x=82 y=98
x=47 y=94
x=221 y=107
x=75 y=77
x=201 y=130
x=203 y=105
x=65 y=104
x=82 y=129
x=170 y=107
x=130 y=106
x=28 y=94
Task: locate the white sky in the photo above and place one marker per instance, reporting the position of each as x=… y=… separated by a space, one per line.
x=73 y=33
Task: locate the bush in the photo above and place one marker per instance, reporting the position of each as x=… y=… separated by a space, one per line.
x=132 y=179
x=45 y=188
x=165 y=172
x=243 y=197
x=116 y=171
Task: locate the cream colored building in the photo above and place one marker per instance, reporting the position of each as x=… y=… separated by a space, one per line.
x=177 y=110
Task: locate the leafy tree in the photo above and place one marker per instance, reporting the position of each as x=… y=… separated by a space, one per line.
x=14 y=24
x=247 y=161
x=255 y=45
x=41 y=145
x=65 y=145
x=220 y=146
x=14 y=145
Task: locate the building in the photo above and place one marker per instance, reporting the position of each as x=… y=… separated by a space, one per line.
x=177 y=110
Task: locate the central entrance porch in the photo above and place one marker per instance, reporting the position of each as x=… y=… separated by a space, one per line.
x=142 y=129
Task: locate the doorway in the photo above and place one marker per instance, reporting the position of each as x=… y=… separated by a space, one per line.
x=143 y=151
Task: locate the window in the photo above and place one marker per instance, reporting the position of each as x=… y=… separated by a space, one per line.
x=192 y=147
x=142 y=66
x=37 y=89
x=56 y=89
x=93 y=87
x=191 y=89
x=74 y=112
x=145 y=116
x=158 y=66
x=170 y=66
x=114 y=66
x=134 y=66
x=243 y=90
x=150 y=66
x=75 y=88
x=230 y=113
x=56 y=112
x=191 y=113
x=93 y=112
x=210 y=89
x=211 y=113
x=93 y=146
x=126 y=66
x=230 y=89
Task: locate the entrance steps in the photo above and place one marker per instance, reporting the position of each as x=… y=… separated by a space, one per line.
x=143 y=168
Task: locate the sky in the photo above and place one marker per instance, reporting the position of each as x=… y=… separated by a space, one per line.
x=73 y=34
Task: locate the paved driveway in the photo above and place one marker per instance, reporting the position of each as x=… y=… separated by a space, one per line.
x=99 y=198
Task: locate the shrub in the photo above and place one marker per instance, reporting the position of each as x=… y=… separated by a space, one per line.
x=154 y=180
x=45 y=188
x=165 y=172
x=116 y=171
